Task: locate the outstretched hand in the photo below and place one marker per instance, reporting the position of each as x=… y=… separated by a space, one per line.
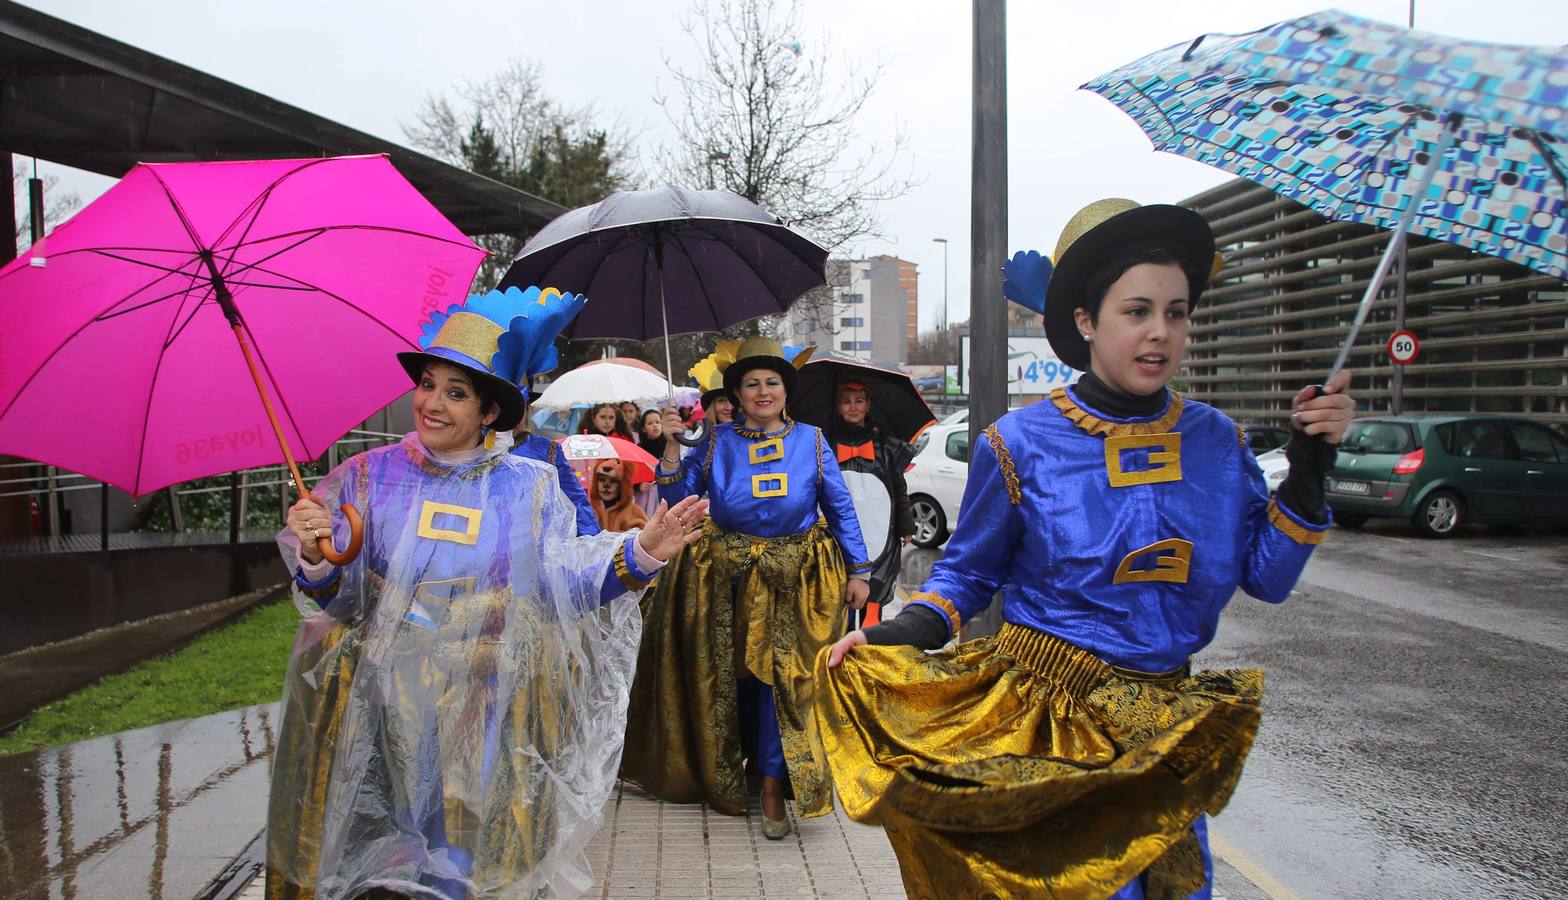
x=1324 y=412
x=673 y=527
x=845 y=644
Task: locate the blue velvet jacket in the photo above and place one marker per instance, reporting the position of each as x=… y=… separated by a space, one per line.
x=1126 y=537
x=537 y=446
x=770 y=485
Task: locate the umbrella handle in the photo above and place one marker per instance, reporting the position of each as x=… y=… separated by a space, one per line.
x=697 y=441
x=356 y=539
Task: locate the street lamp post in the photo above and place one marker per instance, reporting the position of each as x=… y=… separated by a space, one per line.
x=946 y=354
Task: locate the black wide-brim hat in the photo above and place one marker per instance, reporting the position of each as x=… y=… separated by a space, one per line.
x=1097 y=232
x=507 y=395
x=709 y=396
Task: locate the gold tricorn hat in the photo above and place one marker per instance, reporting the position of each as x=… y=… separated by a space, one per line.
x=762 y=352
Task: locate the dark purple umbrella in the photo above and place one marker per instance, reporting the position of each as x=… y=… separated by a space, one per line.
x=669 y=261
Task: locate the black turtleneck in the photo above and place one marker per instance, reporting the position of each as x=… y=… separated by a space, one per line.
x=1119 y=404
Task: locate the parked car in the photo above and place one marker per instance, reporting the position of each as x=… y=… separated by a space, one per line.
x=1263 y=438
x=1441 y=471
x=1274 y=466
x=936 y=479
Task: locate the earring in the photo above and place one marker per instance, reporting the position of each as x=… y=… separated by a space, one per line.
x=1086 y=336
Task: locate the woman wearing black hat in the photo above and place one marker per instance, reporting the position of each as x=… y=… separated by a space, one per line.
x=724 y=674
x=1077 y=753
x=454 y=703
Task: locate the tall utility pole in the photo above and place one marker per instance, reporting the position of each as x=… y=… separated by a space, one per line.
x=947 y=350
x=988 y=239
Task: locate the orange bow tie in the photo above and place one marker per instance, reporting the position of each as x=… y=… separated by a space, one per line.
x=864 y=451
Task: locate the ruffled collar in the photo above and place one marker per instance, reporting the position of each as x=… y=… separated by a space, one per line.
x=1098 y=422
x=462 y=463
x=753 y=434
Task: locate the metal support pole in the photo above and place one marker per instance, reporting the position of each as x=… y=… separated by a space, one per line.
x=988 y=238
x=7 y=207
x=103 y=517
x=234 y=507
x=1396 y=381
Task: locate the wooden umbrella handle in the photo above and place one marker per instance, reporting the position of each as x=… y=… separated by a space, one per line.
x=356 y=539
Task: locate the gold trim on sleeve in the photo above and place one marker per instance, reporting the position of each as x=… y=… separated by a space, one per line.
x=1171 y=569
x=1004 y=460
x=942 y=603
x=1165 y=463
x=1292 y=528
x=471 y=519
x=623 y=570
x=1092 y=424
x=1241 y=435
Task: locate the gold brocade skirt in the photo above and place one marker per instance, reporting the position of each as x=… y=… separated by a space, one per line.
x=506 y=832
x=1023 y=766
x=732 y=605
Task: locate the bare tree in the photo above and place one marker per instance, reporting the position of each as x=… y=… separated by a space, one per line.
x=506 y=127
x=773 y=120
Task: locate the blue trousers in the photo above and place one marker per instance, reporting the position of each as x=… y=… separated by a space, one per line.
x=1134 y=889
x=759 y=728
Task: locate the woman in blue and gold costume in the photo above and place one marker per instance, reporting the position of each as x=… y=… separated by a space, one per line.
x=1075 y=753
x=455 y=701
x=732 y=629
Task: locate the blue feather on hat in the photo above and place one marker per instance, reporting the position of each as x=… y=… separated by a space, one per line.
x=1024 y=279
x=528 y=346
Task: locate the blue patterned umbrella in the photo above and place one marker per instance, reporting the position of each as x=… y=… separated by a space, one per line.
x=1461 y=141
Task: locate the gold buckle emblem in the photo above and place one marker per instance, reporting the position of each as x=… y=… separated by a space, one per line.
x=766 y=451
x=1166 y=461
x=757 y=482
x=1166 y=568
x=471 y=518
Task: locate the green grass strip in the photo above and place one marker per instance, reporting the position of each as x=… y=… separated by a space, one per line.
x=240 y=664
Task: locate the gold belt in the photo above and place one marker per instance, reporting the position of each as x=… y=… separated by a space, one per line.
x=1077 y=670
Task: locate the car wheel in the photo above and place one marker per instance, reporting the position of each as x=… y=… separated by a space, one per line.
x=1439 y=515
x=1349 y=520
x=930 y=524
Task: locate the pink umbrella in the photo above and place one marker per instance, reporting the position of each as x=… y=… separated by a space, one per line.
x=582 y=450
x=143 y=338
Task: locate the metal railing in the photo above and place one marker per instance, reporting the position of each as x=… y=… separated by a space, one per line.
x=45 y=486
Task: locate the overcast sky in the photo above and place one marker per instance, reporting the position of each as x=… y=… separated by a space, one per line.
x=367 y=64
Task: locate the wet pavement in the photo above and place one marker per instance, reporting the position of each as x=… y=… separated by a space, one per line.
x=1412 y=740
x=155 y=812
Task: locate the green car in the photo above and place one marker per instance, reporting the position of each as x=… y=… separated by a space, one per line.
x=1440 y=471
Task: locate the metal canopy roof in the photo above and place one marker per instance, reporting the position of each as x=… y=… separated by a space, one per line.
x=76 y=97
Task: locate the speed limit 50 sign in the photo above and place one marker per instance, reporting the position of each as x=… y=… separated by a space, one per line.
x=1403 y=347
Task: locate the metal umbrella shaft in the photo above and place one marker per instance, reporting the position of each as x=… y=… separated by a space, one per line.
x=1450 y=129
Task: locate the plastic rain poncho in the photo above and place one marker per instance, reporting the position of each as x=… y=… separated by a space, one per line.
x=456 y=698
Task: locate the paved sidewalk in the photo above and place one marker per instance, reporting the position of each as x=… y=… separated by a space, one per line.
x=652 y=849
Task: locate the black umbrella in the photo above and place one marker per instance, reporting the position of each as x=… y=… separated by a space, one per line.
x=896 y=405
x=669 y=261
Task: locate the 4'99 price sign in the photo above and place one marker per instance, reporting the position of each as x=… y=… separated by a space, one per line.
x=1403 y=347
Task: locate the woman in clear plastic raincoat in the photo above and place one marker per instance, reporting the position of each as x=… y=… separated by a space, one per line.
x=455 y=702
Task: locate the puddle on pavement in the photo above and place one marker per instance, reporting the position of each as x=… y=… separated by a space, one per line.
x=156 y=812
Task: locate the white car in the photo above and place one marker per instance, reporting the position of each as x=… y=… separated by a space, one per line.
x=1274 y=466
x=936 y=480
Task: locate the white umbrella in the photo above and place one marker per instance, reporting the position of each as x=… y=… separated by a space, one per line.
x=605 y=381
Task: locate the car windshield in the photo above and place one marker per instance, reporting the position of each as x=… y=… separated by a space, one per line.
x=1379 y=437
x=956 y=416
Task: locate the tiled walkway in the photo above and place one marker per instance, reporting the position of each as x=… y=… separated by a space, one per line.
x=649 y=848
